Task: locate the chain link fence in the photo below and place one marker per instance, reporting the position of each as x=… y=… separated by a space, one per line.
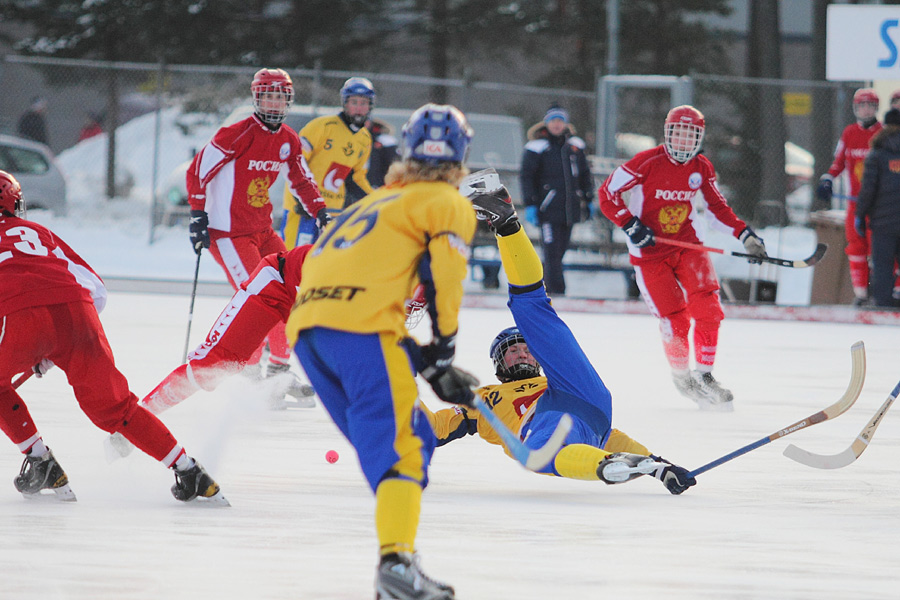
x=769 y=139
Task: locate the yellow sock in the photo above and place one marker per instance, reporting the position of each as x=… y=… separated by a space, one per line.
x=579 y=461
x=520 y=261
x=397 y=506
x=620 y=442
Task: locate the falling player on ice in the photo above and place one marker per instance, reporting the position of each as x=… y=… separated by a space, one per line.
x=531 y=403
x=651 y=195
x=49 y=305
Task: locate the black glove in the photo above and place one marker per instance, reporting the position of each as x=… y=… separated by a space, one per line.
x=322 y=219
x=824 y=189
x=639 y=234
x=199 y=228
x=675 y=478
x=449 y=383
x=753 y=244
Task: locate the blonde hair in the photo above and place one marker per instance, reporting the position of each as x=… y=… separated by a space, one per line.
x=412 y=171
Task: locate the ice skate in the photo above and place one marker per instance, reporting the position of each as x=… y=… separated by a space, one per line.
x=684 y=383
x=43 y=473
x=490 y=199
x=400 y=578
x=287 y=384
x=710 y=395
x=116 y=446
x=622 y=466
x=195 y=482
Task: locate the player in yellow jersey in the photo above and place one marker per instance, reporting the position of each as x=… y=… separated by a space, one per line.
x=348 y=328
x=333 y=146
x=527 y=401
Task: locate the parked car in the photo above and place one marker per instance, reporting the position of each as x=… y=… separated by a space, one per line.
x=499 y=141
x=34 y=165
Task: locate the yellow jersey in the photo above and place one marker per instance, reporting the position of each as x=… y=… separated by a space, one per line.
x=514 y=402
x=365 y=264
x=332 y=150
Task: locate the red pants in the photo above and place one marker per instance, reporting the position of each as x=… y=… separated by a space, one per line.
x=857 y=253
x=679 y=288
x=238 y=256
x=72 y=337
x=232 y=342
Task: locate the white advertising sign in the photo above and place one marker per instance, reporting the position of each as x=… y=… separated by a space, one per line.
x=863 y=42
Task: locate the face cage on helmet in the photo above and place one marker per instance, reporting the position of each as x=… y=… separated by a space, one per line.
x=683 y=140
x=263 y=93
x=415 y=312
x=518 y=371
x=871 y=109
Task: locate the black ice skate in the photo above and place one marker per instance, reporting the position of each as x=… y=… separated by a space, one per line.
x=400 y=578
x=491 y=201
x=710 y=395
x=43 y=473
x=287 y=384
x=195 y=482
x=622 y=466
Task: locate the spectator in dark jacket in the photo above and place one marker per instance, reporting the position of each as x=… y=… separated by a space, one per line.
x=32 y=124
x=556 y=187
x=878 y=207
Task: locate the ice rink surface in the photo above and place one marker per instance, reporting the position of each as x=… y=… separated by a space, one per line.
x=760 y=526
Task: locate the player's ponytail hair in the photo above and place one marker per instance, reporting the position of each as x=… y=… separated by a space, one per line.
x=412 y=171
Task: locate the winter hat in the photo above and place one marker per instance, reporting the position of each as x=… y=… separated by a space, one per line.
x=892 y=117
x=556 y=112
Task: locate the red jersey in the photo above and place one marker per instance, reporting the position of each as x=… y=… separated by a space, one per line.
x=851 y=152
x=38 y=269
x=276 y=279
x=231 y=176
x=662 y=195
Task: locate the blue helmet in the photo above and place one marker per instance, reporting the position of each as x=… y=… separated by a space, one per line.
x=435 y=134
x=522 y=370
x=358 y=86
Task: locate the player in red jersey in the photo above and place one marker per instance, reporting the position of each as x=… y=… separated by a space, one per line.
x=49 y=304
x=228 y=189
x=679 y=285
x=849 y=158
x=262 y=302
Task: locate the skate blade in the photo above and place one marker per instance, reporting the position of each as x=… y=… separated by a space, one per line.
x=308 y=402
x=711 y=406
x=301 y=392
x=217 y=499
x=61 y=494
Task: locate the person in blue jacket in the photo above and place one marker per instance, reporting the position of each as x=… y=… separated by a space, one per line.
x=557 y=187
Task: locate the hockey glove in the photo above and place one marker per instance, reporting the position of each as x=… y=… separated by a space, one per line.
x=42 y=367
x=199 y=228
x=860 y=225
x=497 y=210
x=322 y=219
x=824 y=189
x=639 y=234
x=675 y=478
x=449 y=383
x=753 y=244
x=531 y=215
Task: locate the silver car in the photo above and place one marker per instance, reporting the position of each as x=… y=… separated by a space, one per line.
x=33 y=164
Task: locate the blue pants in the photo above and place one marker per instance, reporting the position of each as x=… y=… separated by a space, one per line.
x=367 y=384
x=573 y=385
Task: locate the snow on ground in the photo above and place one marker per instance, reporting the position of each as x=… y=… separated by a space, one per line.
x=760 y=526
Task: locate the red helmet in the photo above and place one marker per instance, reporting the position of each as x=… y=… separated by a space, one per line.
x=416 y=307
x=684 y=130
x=10 y=194
x=273 y=95
x=865 y=104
